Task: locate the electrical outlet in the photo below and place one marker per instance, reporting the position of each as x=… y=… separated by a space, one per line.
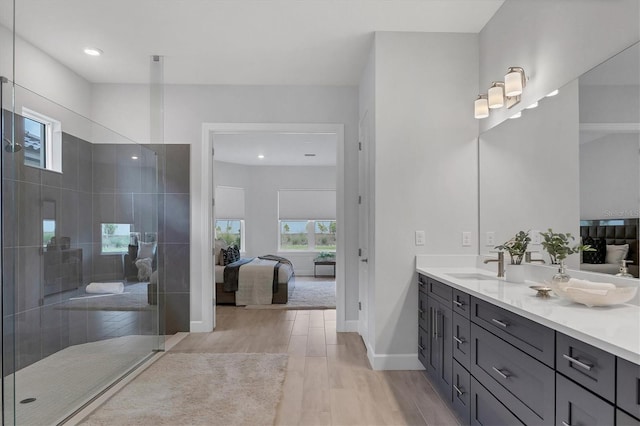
x=536 y=238
x=420 y=238
x=466 y=239
x=490 y=239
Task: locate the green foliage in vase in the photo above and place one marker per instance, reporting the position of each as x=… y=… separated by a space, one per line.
x=516 y=247
x=560 y=245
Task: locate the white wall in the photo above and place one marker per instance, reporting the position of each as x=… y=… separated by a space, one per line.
x=529 y=174
x=554 y=41
x=261 y=184
x=187 y=107
x=425 y=172
x=609 y=171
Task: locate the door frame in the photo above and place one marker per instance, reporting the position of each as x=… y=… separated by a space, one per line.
x=202 y=295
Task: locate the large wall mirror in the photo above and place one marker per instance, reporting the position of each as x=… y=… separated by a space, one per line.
x=572 y=164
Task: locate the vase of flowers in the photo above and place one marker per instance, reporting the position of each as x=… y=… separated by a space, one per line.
x=517 y=248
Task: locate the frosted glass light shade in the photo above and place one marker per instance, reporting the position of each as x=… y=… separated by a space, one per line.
x=481 y=108
x=496 y=96
x=513 y=82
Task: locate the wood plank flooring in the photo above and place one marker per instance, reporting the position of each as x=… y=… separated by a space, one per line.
x=329 y=380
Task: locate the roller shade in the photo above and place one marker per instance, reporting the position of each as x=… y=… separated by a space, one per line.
x=229 y=202
x=307 y=204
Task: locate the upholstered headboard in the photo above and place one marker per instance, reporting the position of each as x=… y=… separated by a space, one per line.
x=615 y=231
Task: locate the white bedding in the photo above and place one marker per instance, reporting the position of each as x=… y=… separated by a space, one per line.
x=255 y=283
x=284 y=272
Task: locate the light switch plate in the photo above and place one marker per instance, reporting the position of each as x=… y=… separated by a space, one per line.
x=420 y=238
x=490 y=239
x=466 y=239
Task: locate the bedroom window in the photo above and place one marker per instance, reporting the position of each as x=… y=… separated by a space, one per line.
x=115 y=237
x=308 y=235
x=231 y=231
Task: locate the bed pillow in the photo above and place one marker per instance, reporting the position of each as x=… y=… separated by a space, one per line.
x=218 y=246
x=599 y=255
x=615 y=253
x=146 y=250
x=230 y=255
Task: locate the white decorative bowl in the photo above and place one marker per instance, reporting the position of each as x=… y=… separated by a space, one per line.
x=595 y=297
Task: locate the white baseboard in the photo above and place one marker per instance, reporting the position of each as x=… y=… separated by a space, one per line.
x=200 y=327
x=394 y=361
x=350 y=326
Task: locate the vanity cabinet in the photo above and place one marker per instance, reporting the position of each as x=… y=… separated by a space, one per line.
x=495 y=367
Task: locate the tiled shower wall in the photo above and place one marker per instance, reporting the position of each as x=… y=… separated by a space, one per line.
x=99 y=183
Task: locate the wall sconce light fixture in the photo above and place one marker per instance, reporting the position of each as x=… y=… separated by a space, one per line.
x=501 y=94
x=481 y=107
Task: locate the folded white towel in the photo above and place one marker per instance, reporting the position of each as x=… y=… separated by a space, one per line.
x=587 y=285
x=110 y=287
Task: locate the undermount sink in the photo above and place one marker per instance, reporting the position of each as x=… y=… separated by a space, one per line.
x=472 y=276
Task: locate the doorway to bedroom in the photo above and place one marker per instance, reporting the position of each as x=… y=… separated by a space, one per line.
x=275 y=204
x=278 y=194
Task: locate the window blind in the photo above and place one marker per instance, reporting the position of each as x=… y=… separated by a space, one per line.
x=229 y=202
x=307 y=204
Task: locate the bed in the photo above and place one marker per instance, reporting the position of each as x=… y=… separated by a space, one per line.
x=602 y=232
x=261 y=280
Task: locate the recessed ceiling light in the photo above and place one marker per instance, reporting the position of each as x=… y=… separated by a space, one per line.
x=555 y=92
x=92 y=51
x=309 y=155
x=261 y=156
x=134 y=157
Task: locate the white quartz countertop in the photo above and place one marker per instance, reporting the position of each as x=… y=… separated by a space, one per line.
x=615 y=329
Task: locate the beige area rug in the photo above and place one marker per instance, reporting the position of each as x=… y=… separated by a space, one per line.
x=307 y=295
x=199 y=389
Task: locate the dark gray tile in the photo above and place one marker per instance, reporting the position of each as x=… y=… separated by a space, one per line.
x=55 y=329
x=28 y=338
x=85 y=218
x=70 y=215
x=123 y=208
x=104 y=211
x=106 y=267
x=8 y=344
x=51 y=178
x=29 y=280
x=85 y=166
x=149 y=171
x=128 y=168
x=177 y=218
x=174 y=308
x=175 y=267
x=9 y=266
x=51 y=207
x=145 y=208
x=70 y=162
x=177 y=169
x=10 y=212
x=104 y=168
x=28 y=218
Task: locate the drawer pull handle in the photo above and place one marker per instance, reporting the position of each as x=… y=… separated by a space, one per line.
x=565 y=423
x=436 y=325
x=504 y=376
x=458 y=340
x=421 y=347
x=420 y=283
x=500 y=323
x=577 y=362
x=460 y=393
x=458 y=304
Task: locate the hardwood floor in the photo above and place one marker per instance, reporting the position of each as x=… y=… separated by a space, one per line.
x=329 y=381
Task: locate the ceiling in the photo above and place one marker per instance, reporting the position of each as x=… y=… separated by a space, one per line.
x=279 y=149
x=257 y=42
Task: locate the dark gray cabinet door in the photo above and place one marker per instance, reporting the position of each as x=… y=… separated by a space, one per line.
x=423 y=346
x=461 y=393
x=440 y=291
x=486 y=410
x=461 y=340
x=521 y=382
x=434 y=352
x=591 y=367
x=628 y=387
x=422 y=310
x=440 y=357
x=577 y=406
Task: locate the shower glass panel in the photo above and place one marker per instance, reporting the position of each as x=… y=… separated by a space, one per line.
x=80 y=214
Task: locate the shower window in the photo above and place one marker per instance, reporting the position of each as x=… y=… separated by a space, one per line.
x=42 y=141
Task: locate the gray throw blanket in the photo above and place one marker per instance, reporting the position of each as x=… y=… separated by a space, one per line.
x=232 y=271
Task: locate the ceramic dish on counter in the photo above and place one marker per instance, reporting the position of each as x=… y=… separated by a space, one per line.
x=593 y=294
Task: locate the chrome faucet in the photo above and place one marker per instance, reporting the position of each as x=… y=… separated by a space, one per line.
x=528 y=259
x=500 y=261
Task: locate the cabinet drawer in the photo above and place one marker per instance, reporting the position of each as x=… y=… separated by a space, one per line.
x=461 y=302
x=532 y=338
x=591 y=367
x=423 y=346
x=461 y=393
x=521 y=382
x=422 y=283
x=487 y=410
x=422 y=310
x=623 y=419
x=577 y=406
x=628 y=387
x=462 y=340
x=440 y=291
